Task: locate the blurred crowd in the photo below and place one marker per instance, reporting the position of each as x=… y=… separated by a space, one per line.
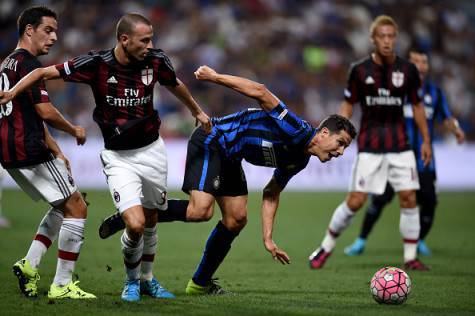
x=300 y=49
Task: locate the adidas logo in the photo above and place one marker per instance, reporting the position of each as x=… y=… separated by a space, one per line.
x=112 y=80
x=369 y=80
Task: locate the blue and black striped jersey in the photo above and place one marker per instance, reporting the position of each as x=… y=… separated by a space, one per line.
x=272 y=139
x=436 y=107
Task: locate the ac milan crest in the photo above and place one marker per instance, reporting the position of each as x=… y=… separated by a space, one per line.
x=147 y=76
x=397 y=79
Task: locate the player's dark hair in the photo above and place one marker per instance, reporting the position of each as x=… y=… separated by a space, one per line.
x=418 y=50
x=336 y=123
x=33 y=16
x=127 y=23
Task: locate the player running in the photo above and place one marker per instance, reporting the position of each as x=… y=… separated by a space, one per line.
x=34 y=160
x=122 y=80
x=381 y=84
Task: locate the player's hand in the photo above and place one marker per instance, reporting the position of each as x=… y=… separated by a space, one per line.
x=426 y=153
x=66 y=161
x=276 y=252
x=205 y=121
x=205 y=73
x=80 y=135
x=459 y=135
x=5 y=97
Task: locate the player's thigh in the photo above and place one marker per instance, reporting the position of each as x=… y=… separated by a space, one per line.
x=234 y=211
x=134 y=219
x=200 y=206
x=369 y=173
x=402 y=171
x=125 y=185
x=152 y=167
x=49 y=181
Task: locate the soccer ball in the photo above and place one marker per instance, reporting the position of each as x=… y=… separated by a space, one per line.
x=390 y=285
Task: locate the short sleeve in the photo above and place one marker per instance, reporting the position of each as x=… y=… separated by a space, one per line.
x=351 y=91
x=79 y=69
x=414 y=85
x=283 y=176
x=299 y=132
x=37 y=93
x=166 y=72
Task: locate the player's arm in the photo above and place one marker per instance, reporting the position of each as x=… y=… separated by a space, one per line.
x=37 y=75
x=453 y=125
x=53 y=117
x=421 y=121
x=184 y=95
x=55 y=149
x=346 y=109
x=249 y=88
x=270 y=202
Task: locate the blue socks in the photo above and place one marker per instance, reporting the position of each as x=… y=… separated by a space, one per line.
x=217 y=247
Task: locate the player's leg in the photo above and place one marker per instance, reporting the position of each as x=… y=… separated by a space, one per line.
x=70 y=241
x=403 y=177
x=377 y=203
x=340 y=220
x=234 y=211
x=427 y=200
x=369 y=174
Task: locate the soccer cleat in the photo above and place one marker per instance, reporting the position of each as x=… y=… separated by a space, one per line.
x=27 y=277
x=70 y=290
x=318 y=258
x=416 y=265
x=212 y=289
x=154 y=289
x=131 y=292
x=111 y=225
x=422 y=249
x=356 y=248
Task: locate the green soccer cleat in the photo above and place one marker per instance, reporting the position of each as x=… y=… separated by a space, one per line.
x=212 y=289
x=70 y=290
x=28 y=277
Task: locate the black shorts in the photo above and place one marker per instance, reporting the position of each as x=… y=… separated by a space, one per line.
x=209 y=170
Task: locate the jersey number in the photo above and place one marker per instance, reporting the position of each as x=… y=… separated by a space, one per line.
x=6 y=109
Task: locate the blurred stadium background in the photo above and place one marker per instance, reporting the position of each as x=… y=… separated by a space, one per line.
x=300 y=49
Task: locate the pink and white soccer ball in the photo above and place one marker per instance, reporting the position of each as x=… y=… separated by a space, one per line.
x=390 y=285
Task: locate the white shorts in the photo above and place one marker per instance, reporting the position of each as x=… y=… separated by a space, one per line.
x=137 y=176
x=371 y=172
x=49 y=181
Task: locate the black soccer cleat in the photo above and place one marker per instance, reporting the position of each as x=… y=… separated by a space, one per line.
x=111 y=225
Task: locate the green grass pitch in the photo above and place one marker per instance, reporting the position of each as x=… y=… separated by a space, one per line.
x=261 y=285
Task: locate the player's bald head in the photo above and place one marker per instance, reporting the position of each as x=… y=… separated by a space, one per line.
x=128 y=22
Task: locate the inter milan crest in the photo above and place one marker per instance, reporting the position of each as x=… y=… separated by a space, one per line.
x=147 y=76
x=398 y=79
x=216 y=183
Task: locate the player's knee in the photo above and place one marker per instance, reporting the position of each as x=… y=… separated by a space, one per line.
x=237 y=222
x=355 y=201
x=407 y=199
x=135 y=226
x=199 y=213
x=75 y=207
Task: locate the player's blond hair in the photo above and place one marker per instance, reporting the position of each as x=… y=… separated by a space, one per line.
x=382 y=20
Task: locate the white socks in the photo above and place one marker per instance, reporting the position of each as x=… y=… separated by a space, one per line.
x=71 y=238
x=149 y=250
x=132 y=251
x=409 y=226
x=47 y=232
x=341 y=219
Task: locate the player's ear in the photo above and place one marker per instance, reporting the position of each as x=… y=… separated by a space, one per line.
x=29 y=29
x=123 y=38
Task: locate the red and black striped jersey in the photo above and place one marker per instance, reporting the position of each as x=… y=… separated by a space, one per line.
x=123 y=94
x=381 y=91
x=22 y=135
